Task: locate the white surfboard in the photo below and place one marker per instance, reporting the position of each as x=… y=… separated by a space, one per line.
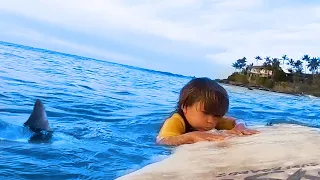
x=279 y=152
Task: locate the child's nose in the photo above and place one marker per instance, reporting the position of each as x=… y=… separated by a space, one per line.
x=210 y=120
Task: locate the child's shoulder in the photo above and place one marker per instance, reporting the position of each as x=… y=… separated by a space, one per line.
x=175 y=117
x=173 y=126
x=174 y=123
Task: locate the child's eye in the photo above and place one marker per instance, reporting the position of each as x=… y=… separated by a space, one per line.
x=206 y=113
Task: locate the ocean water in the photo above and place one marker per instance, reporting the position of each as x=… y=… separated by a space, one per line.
x=105 y=115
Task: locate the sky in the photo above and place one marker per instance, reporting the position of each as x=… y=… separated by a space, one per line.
x=188 y=37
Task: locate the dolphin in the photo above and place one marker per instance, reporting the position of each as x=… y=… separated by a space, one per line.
x=38 y=123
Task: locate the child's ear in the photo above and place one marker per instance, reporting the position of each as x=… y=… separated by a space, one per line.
x=184 y=109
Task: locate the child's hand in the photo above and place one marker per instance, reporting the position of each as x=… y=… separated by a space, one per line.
x=240 y=130
x=197 y=136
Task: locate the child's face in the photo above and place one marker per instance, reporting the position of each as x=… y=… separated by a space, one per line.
x=198 y=119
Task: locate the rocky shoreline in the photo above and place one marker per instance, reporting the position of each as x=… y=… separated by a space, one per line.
x=253 y=86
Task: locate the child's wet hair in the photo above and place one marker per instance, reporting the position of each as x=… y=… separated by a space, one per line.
x=213 y=96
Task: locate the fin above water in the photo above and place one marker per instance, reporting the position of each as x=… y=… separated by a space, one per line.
x=38 y=121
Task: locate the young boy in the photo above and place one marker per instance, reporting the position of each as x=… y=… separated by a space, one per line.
x=202 y=106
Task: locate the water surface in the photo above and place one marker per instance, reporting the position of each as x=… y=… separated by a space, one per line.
x=105 y=115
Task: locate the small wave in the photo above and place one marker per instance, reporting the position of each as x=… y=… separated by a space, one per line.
x=126 y=93
x=12 y=55
x=10 y=132
x=16 y=133
x=86 y=87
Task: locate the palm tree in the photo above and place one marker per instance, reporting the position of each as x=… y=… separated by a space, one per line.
x=243 y=63
x=247 y=68
x=284 y=58
x=319 y=65
x=291 y=63
x=298 y=65
x=235 y=65
x=306 y=58
x=267 y=62
x=240 y=63
x=274 y=66
x=313 y=65
x=258 y=58
x=275 y=63
x=291 y=68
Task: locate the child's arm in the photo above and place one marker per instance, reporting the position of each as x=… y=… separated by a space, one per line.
x=189 y=138
x=175 y=140
x=173 y=133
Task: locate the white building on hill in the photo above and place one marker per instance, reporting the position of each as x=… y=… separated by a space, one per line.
x=260 y=71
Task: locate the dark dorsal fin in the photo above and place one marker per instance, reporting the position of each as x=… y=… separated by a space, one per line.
x=38 y=119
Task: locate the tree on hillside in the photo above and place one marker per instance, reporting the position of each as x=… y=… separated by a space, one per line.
x=240 y=63
x=284 y=58
x=306 y=58
x=258 y=58
x=291 y=63
x=318 y=66
x=267 y=62
x=298 y=65
x=235 y=65
x=297 y=68
x=247 y=68
x=278 y=74
x=275 y=63
x=313 y=65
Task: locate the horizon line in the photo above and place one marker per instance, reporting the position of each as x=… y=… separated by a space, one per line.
x=6 y=43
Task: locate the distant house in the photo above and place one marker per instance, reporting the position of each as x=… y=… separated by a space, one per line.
x=260 y=71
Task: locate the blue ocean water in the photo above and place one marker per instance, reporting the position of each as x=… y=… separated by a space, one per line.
x=105 y=115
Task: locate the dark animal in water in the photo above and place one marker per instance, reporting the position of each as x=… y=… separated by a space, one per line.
x=39 y=124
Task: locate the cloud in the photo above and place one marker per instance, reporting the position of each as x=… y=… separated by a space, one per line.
x=209 y=32
x=36 y=37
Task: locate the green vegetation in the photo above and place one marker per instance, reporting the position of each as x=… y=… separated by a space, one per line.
x=296 y=81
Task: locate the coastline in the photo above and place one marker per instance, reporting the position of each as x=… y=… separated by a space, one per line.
x=274 y=89
x=270 y=76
